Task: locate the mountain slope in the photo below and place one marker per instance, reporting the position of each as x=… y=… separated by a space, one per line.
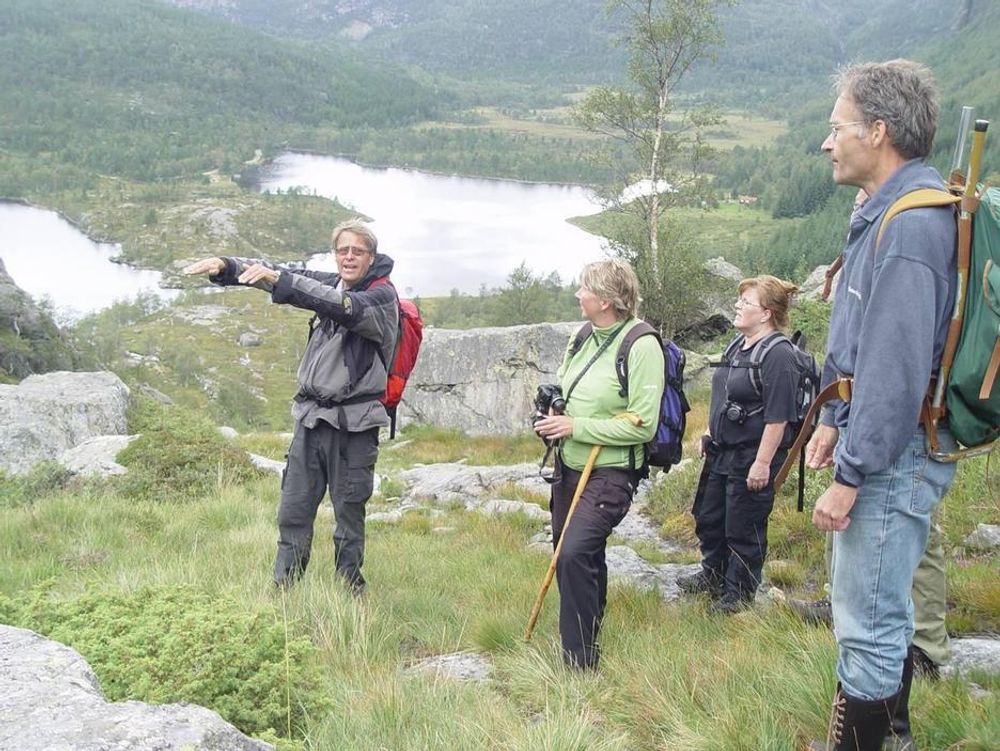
x=141 y=89
x=772 y=46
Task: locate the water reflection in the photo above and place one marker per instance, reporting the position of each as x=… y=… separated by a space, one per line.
x=448 y=232
x=48 y=257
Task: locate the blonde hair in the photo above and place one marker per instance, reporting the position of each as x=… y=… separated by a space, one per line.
x=775 y=295
x=616 y=282
x=360 y=229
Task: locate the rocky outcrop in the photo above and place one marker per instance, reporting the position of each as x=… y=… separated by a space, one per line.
x=30 y=341
x=47 y=414
x=50 y=699
x=460 y=483
x=483 y=381
x=95 y=457
x=812 y=287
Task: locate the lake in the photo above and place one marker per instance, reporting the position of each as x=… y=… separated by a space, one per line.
x=48 y=257
x=443 y=232
x=447 y=232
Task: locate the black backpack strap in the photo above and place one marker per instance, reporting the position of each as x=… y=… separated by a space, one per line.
x=759 y=353
x=621 y=359
x=642 y=328
x=581 y=336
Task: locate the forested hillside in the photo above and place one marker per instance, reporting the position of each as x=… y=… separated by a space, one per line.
x=775 y=49
x=140 y=89
x=792 y=178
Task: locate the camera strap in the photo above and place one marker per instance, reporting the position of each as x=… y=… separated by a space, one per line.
x=556 y=475
x=600 y=351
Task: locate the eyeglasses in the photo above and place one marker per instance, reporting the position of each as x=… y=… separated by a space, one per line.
x=835 y=127
x=352 y=249
x=742 y=302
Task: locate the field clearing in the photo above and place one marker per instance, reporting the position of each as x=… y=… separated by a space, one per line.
x=739 y=128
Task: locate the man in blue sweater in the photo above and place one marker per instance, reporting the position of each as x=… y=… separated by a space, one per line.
x=887 y=332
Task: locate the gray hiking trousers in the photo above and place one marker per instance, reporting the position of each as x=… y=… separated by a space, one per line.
x=319 y=458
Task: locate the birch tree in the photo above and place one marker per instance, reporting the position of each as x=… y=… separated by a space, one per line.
x=661 y=143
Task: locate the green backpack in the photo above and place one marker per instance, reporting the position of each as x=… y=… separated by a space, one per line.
x=973 y=389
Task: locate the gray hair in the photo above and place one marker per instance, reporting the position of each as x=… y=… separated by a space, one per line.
x=900 y=93
x=615 y=281
x=360 y=229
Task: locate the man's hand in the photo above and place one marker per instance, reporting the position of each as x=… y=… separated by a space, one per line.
x=554 y=427
x=832 y=508
x=258 y=272
x=819 y=451
x=210 y=266
x=759 y=474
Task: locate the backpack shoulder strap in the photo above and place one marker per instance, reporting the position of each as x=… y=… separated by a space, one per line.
x=759 y=353
x=621 y=359
x=916 y=199
x=581 y=336
x=732 y=348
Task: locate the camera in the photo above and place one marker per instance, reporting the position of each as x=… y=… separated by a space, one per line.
x=549 y=396
x=735 y=412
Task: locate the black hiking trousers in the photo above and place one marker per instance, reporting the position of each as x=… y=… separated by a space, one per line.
x=731 y=521
x=581 y=571
x=320 y=458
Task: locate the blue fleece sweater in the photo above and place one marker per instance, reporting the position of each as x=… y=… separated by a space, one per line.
x=889 y=322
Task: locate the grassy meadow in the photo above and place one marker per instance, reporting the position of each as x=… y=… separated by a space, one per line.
x=162 y=581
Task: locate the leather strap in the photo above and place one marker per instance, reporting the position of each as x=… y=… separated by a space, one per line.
x=839 y=389
x=991 y=373
x=828 y=277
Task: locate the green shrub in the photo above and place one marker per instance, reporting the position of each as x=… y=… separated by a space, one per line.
x=178 y=455
x=176 y=644
x=44 y=479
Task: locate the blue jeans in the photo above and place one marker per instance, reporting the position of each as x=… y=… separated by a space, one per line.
x=873 y=564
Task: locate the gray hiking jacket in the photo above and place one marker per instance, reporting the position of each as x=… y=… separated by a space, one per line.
x=351 y=342
x=889 y=322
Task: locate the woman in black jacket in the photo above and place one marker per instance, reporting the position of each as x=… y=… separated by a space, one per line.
x=753 y=401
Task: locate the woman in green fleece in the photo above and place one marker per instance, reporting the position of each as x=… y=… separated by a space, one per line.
x=609 y=300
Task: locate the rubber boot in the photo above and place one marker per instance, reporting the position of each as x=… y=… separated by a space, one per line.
x=900 y=737
x=856 y=724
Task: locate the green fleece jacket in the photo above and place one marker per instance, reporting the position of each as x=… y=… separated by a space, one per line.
x=596 y=399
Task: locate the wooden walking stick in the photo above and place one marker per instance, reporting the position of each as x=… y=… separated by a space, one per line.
x=584 y=477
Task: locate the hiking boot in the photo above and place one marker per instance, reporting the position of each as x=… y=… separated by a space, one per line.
x=815 y=612
x=924 y=666
x=899 y=743
x=900 y=737
x=729 y=604
x=701 y=582
x=856 y=724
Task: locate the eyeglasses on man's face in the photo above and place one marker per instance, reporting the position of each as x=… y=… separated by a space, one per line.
x=742 y=302
x=353 y=250
x=835 y=127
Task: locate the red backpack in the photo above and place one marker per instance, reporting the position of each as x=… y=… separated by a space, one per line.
x=411 y=334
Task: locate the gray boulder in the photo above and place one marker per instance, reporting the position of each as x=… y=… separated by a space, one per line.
x=624 y=564
x=460 y=666
x=985 y=537
x=95 y=457
x=451 y=483
x=973 y=653
x=812 y=287
x=45 y=415
x=50 y=700
x=483 y=381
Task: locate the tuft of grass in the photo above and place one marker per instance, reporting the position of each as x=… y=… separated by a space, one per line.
x=45 y=479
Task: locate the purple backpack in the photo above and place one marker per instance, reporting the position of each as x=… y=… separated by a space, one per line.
x=665 y=449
